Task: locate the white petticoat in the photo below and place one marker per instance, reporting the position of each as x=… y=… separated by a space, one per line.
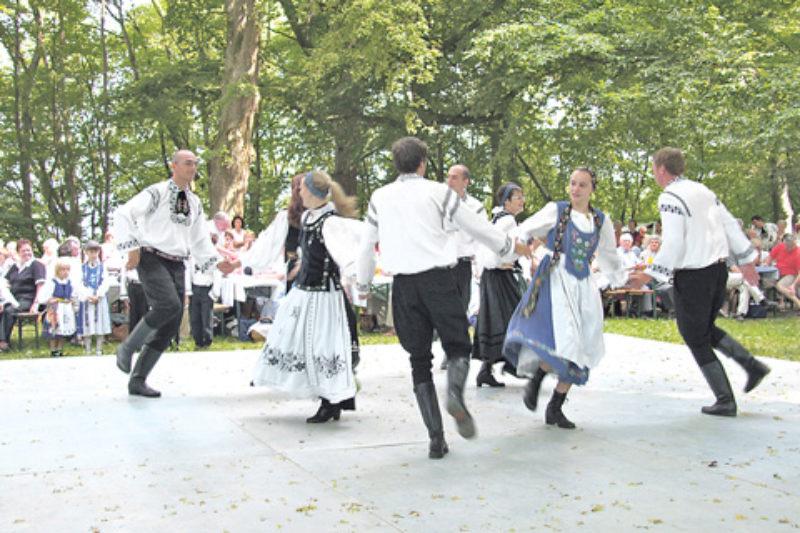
x=307 y=351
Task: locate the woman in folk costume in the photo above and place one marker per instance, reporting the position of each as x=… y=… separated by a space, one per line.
x=283 y=234
x=310 y=348
x=501 y=288
x=94 y=315
x=558 y=325
x=60 y=297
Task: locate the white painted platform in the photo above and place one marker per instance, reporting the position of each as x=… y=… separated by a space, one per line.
x=78 y=454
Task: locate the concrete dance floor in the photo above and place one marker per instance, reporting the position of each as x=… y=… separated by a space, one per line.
x=78 y=454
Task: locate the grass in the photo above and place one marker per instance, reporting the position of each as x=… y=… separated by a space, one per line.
x=770 y=337
x=29 y=351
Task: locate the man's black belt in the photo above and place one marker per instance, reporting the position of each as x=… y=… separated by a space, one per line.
x=164 y=255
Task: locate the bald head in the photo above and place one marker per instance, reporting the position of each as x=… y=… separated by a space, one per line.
x=458 y=179
x=184 y=167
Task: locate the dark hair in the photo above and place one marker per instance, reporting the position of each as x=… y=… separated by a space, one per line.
x=505 y=191
x=295 y=209
x=408 y=154
x=671 y=159
x=756 y=217
x=64 y=249
x=24 y=242
x=239 y=218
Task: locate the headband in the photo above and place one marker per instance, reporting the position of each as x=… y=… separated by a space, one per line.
x=310 y=185
x=510 y=188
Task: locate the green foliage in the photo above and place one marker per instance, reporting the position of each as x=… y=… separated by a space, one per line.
x=516 y=90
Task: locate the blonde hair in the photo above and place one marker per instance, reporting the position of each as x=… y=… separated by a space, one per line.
x=345 y=205
x=60 y=264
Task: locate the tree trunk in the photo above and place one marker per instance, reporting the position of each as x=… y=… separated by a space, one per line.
x=346 y=164
x=233 y=148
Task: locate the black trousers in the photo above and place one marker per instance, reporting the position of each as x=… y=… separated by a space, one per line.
x=163 y=283
x=463 y=274
x=201 y=315
x=421 y=303
x=137 y=302
x=699 y=295
x=9 y=315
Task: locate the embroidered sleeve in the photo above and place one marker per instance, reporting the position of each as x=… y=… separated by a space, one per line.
x=201 y=247
x=673 y=222
x=127 y=216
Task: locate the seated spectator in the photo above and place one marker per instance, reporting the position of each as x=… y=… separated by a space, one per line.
x=763 y=255
x=786 y=256
x=238 y=231
x=766 y=231
x=780 y=230
x=745 y=290
x=249 y=239
x=25 y=279
x=219 y=224
x=626 y=253
x=662 y=290
x=639 y=236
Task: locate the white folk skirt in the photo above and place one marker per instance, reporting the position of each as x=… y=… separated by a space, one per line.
x=307 y=352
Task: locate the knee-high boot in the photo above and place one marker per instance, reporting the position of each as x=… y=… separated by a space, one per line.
x=457 y=370
x=135 y=340
x=718 y=381
x=554 y=415
x=756 y=370
x=429 y=408
x=531 y=396
x=148 y=358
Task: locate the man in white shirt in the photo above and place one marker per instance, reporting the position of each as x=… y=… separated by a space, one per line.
x=458 y=179
x=159 y=228
x=413 y=220
x=698 y=234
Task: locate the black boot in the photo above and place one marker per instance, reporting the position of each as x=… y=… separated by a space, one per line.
x=554 y=415
x=718 y=381
x=756 y=370
x=326 y=411
x=148 y=358
x=128 y=347
x=457 y=370
x=429 y=408
x=531 y=396
x=485 y=376
x=53 y=353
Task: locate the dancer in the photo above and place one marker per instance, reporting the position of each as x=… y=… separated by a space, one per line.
x=501 y=289
x=94 y=314
x=309 y=350
x=282 y=234
x=699 y=234
x=60 y=299
x=458 y=177
x=413 y=218
x=160 y=227
x=558 y=325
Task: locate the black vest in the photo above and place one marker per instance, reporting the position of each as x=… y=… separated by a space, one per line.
x=317 y=267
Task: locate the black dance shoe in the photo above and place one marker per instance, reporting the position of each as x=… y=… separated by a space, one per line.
x=485 y=377
x=326 y=411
